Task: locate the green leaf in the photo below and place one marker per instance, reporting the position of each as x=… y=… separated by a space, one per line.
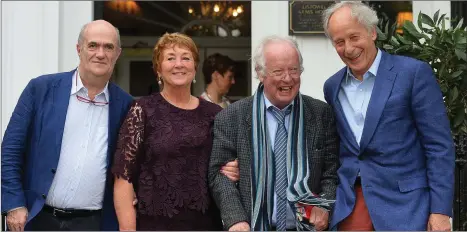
x=449 y=40
x=442 y=18
x=419 y=21
x=459 y=25
x=388 y=47
x=454 y=94
x=394 y=42
x=410 y=28
x=402 y=49
x=464 y=129
x=402 y=39
x=459 y=37
x=381 y=35
x=427 y=20
x=456 y=73
x=459 y=118
x=444 y=89
x=460 y=54
x=435 y=17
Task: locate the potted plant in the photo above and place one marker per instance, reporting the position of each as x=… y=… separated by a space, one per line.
x=444 y=48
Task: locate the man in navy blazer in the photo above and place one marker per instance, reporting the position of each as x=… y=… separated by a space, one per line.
x=60 y=141
x=396 y=152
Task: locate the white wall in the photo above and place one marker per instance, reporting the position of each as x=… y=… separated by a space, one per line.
x=319 y=57
x=38 y=37
x=430 y=8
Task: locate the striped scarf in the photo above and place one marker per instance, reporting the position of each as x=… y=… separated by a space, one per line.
x=263 y=165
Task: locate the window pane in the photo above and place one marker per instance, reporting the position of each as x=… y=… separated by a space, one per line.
x=200 y=18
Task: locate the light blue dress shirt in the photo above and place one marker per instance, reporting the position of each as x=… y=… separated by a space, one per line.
x=79 y=181
x=354 y=96
x=271 y=122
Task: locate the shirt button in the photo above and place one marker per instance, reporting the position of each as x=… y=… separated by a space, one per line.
x=44 y=196
x=361 y=90
x=53 y=170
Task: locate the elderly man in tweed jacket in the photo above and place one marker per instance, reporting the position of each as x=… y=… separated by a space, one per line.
x=286 y=145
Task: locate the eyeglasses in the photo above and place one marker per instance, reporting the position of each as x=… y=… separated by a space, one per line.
x=280 y=73
x=85 y=100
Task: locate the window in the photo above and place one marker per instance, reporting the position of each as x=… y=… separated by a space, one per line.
x=393 y=11
x=194 y=18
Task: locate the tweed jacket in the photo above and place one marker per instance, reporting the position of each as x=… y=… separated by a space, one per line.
x=233 y=139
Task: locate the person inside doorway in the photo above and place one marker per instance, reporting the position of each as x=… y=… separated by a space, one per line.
x=219 y=75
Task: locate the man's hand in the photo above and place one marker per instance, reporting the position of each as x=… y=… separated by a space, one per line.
x=319 y=218
x=438 y=222
x=231 y=170
x=16 y=219
x=241 y=226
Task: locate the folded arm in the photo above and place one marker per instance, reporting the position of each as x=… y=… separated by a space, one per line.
x=329 y=178
x=224 y=191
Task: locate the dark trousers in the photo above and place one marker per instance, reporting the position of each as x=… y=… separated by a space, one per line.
x=46 y=220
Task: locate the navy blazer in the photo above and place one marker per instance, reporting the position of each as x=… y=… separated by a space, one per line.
x=32 y=143
x=406 y=153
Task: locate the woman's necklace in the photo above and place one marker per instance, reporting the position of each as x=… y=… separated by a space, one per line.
x=167 y=99
x=210 y=98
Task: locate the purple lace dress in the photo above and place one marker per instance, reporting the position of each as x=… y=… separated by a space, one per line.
x=164 y=151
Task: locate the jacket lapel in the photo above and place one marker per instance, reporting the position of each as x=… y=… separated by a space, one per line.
x=115 y=109
x=310 y=125
x=379 y=96
x=61 y=99
x=340 y=115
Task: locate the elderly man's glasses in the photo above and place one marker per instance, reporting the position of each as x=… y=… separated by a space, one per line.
x=281 y=73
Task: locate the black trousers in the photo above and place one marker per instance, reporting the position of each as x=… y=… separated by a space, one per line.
x=46 y=220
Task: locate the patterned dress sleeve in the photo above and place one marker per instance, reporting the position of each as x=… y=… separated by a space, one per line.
x=129 y=144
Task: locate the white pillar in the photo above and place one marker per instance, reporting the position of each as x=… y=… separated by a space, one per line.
x=267 y=18
x=29 y=47
x=38 y=37
x=73 y=15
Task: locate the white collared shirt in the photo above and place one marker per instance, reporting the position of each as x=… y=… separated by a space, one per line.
x=80 y=177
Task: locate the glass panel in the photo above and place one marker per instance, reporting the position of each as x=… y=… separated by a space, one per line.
x=242 y=79
x=195 y=18
x=393 y=11
x=143 y=81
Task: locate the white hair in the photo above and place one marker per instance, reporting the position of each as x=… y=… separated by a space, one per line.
x=259 y=59
x=364 y=14
x=83 y=29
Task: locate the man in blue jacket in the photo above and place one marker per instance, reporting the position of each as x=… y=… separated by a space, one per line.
x=396 y=152
x=60 y=139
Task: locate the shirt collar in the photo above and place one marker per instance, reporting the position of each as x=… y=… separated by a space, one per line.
x=77 y=85
x=268 y=103
x=372 y=71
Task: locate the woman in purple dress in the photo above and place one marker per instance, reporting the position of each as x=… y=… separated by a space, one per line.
x=164 y=147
